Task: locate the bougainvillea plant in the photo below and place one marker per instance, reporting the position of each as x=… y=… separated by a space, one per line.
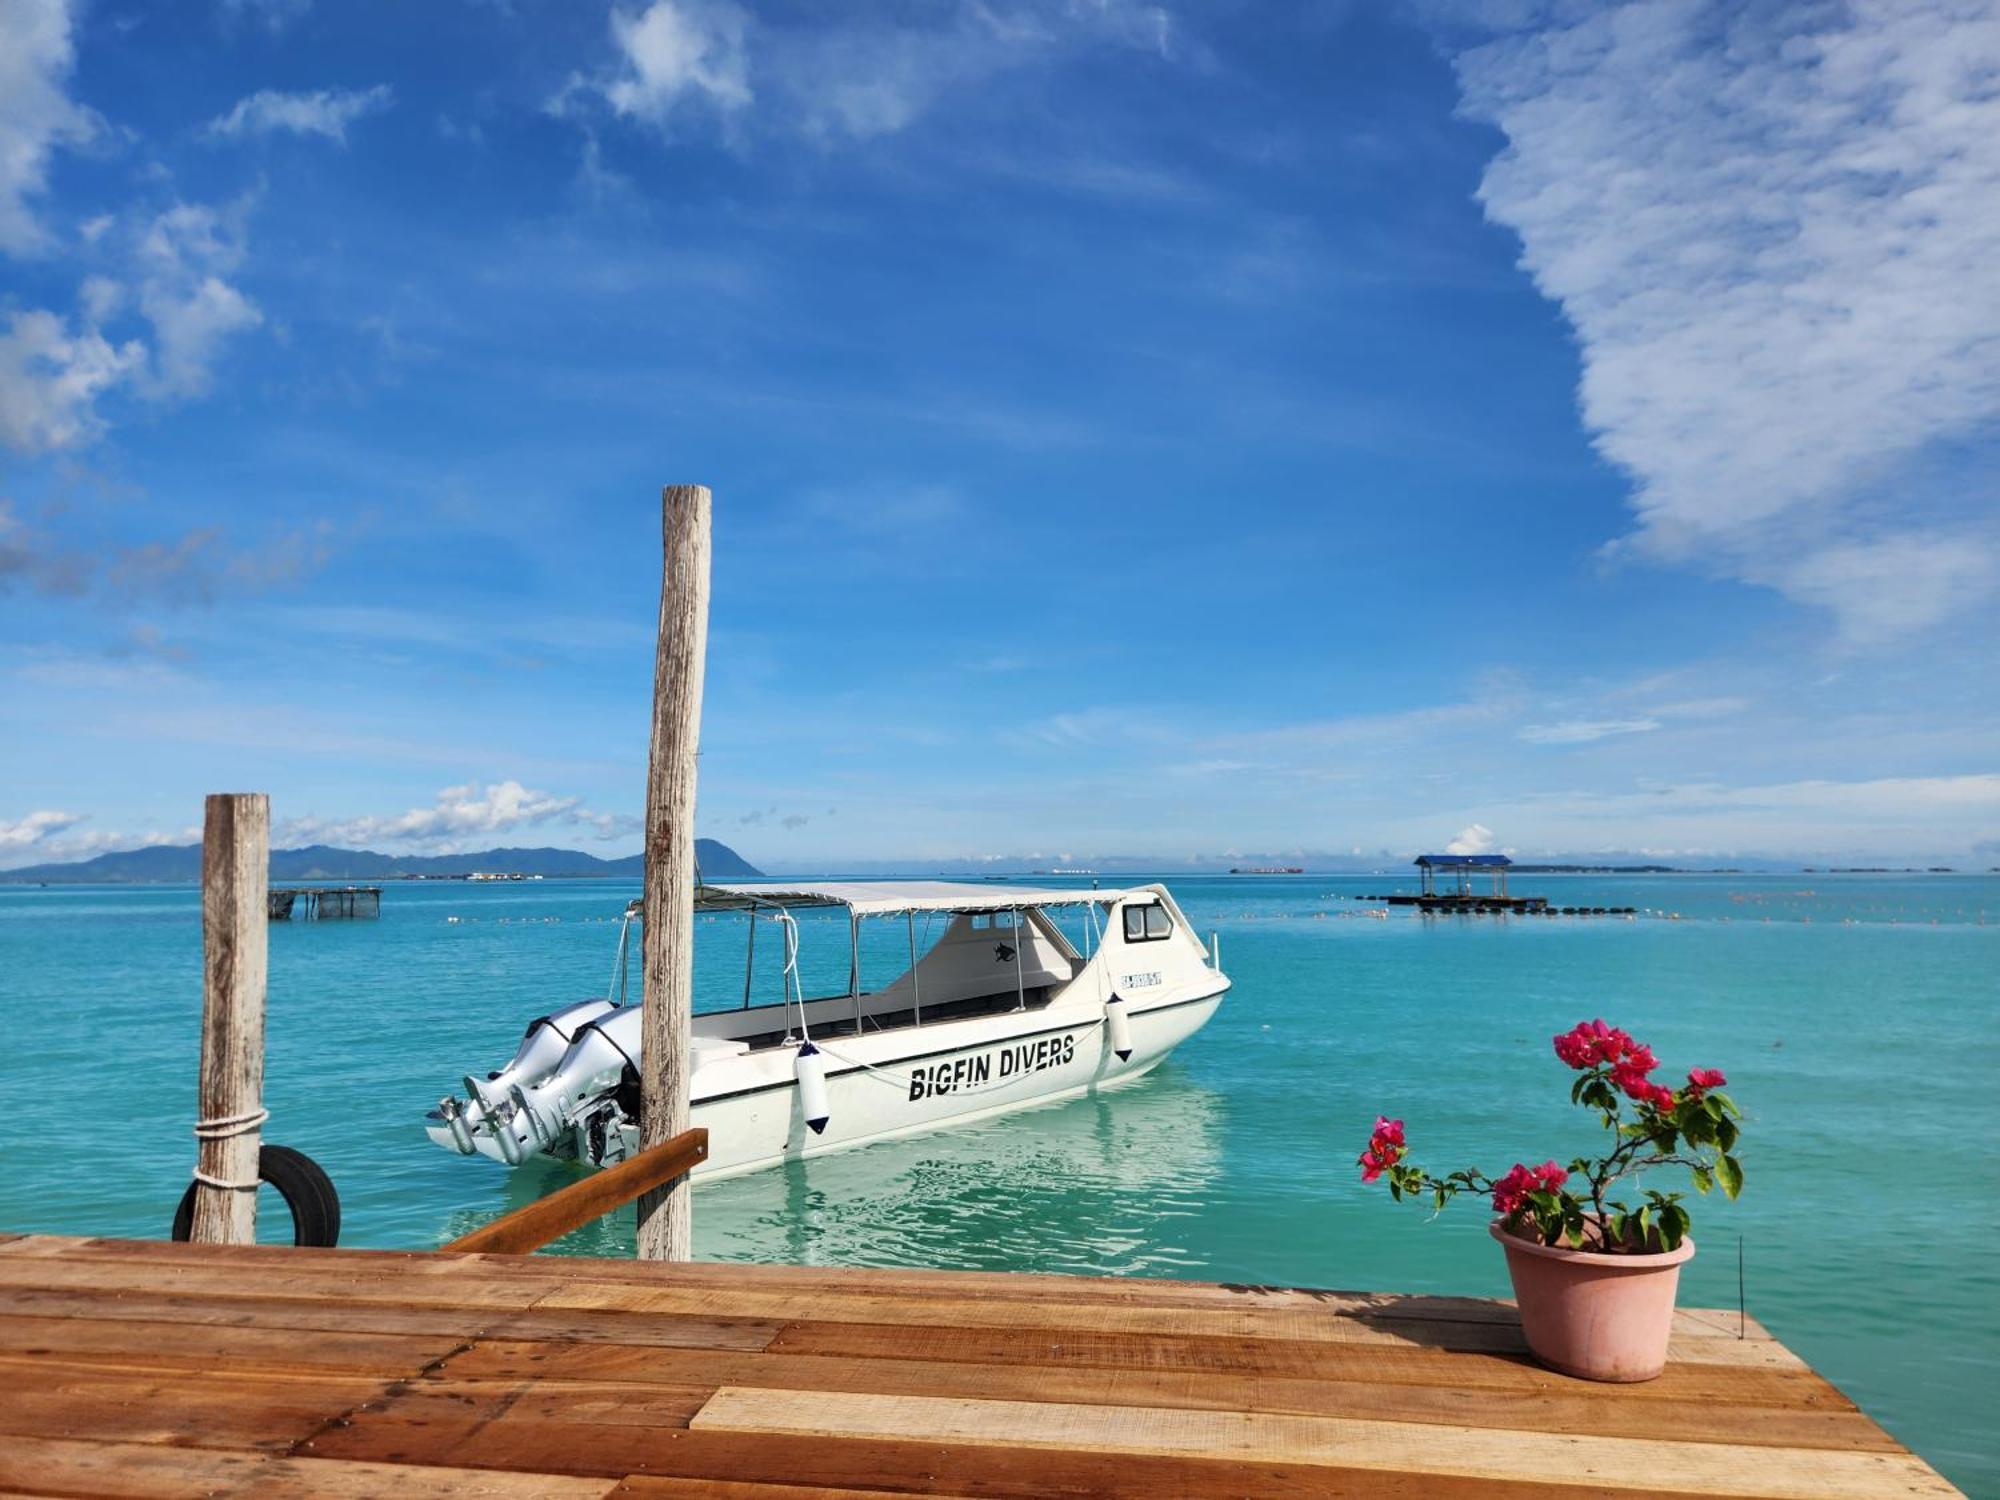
x=1693 y=1126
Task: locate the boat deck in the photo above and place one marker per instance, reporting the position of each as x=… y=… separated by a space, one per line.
x=139 y=1369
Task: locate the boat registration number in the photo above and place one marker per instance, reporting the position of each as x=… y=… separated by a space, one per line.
x=1016 y=1061
x=1139 y=981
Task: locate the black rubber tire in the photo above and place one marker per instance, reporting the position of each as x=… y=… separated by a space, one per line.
x=307 y=1191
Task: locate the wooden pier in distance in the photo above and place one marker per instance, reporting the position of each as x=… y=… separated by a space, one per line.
x=142 y=1369
x=323 y=902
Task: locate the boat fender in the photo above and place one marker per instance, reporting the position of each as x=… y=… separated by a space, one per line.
x=300 y=1181
x=810 y=1067
x=1118 y=1027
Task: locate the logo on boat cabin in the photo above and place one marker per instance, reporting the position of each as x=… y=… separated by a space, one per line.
x=1014 y=1061
x=1002 y=954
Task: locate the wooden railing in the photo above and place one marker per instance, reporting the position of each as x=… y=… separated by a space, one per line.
x=571 y=1208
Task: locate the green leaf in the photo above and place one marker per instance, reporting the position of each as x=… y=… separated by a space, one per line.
x=1729 y=1172
x=1703 y=1180
x=1725 y=1133
x=1440 y=1195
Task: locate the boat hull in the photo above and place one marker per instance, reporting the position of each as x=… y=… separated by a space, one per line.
x=892 y=1085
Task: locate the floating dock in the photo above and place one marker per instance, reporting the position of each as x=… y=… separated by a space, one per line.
x=140 y=1369
x=323 y=902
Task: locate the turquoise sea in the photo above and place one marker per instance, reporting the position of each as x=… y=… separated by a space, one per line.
x=1855 y=1016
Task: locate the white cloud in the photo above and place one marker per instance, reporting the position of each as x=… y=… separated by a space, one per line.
x=1475 y=838
x=460 y=813
x=53 y=371
x=1583 y=731
x=326 y=112
x=678 y=50
x=36 y=113
x=1773 y=230
x=50 y=378
x=842 y=74
x=35 y=828
x=185 y=254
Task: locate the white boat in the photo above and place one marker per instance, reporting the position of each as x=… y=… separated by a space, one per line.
x=1000 y=1013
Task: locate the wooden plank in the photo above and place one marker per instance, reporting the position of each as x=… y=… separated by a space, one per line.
x=172 y=1407
x=140 y=1471
x=1788 y=1415
x=1473 y=1453
x=1002 y=1473
x=607 y=1429
x=1371 y=1359
x=164 y=1345
x=305 y=1314
x=223 y=1282
x=666 y=1487
x=570 y=1208
x=995 y=1287
x=1301 y=1325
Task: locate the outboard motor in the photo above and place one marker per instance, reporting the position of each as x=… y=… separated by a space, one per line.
x=542 y=1048
x=533 y=1115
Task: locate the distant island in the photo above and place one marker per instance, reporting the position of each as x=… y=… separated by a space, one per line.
x=179 y=864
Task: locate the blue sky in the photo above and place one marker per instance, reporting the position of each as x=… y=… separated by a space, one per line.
x=1147 y=430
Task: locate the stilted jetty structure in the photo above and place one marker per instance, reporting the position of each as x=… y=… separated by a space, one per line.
x=317 y=902
x=1454 y=892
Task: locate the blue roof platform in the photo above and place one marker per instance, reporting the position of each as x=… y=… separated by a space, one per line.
x=1464 y=861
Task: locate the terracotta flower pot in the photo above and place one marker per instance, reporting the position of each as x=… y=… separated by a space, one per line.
x=1597 y=1316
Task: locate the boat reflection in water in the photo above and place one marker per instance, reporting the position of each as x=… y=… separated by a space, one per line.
x=1096 y=1185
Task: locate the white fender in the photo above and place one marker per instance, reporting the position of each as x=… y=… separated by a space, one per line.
x=1118 y=1028
x=810 y=1068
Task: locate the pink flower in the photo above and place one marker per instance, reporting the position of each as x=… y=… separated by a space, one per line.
x=1510 y=1193
x=1385 y=1148
x=1589 y=1044
x=1701 y=1080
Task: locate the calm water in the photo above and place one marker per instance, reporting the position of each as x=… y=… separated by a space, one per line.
x=1855 y=1016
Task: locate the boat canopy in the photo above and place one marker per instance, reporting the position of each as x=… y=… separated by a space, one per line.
x=875 y=898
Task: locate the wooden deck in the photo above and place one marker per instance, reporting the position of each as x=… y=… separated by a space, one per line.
x=136 y=1368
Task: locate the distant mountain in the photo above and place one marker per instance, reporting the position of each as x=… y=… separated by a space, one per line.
x=181 y=864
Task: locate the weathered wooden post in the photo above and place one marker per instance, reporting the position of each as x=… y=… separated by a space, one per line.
x=666 y=1222
x=235 y=940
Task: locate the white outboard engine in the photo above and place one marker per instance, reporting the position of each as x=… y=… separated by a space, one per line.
x=527 y=1117
x=541 y=1050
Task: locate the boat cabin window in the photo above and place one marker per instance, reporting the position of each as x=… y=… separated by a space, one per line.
x=988 y=921
x=1147 y=924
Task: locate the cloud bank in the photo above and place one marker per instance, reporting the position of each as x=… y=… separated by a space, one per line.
x=1772 y=228
x=460 y=813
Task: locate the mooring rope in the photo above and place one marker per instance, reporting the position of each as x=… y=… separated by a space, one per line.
x=222 y=1128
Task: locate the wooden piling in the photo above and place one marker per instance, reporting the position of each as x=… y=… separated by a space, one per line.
x=235 y=864
x=666 y=1226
